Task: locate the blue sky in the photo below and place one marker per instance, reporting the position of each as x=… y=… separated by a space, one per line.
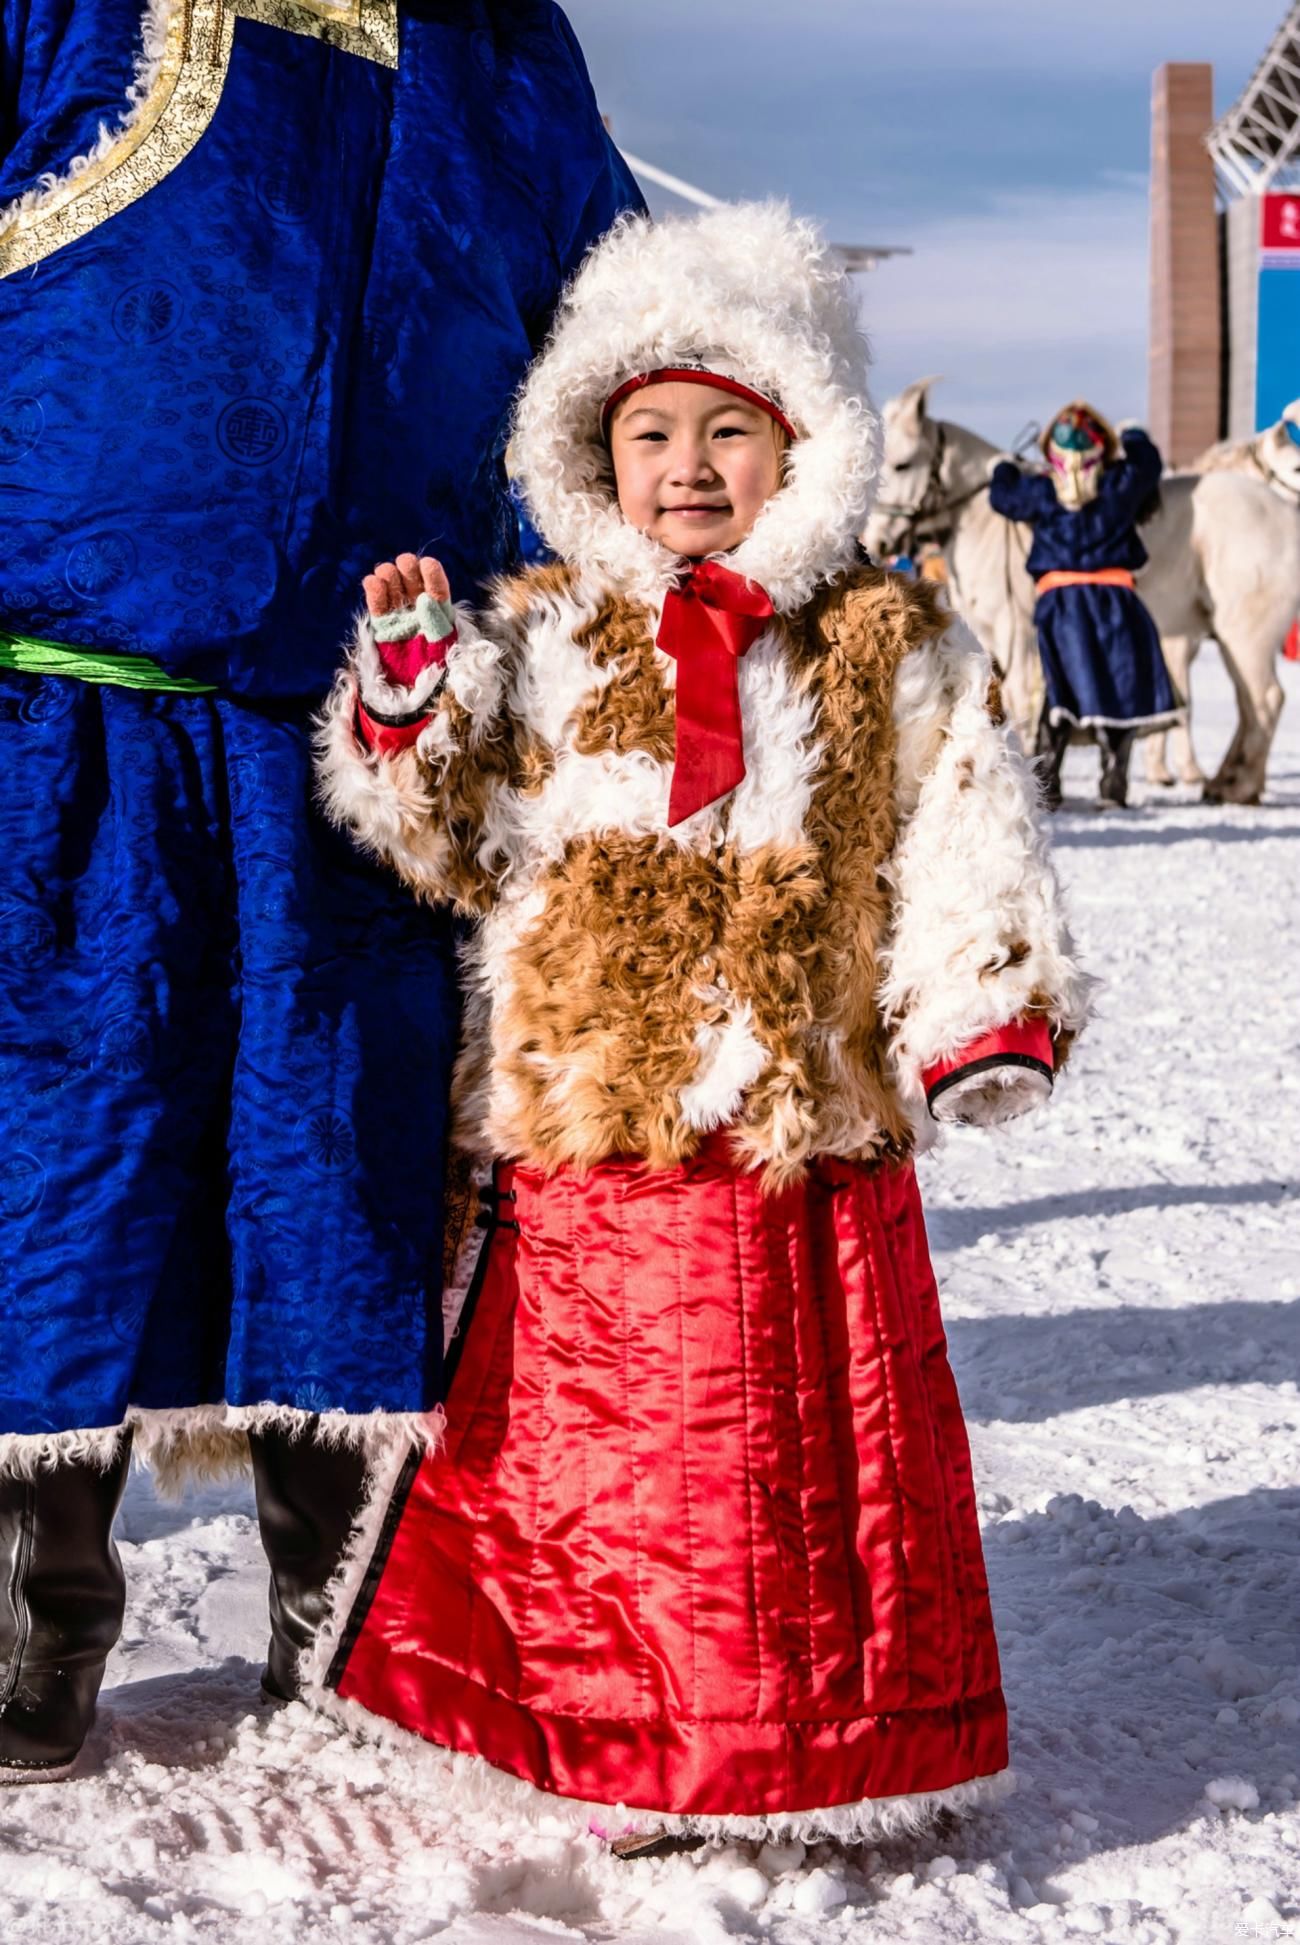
x=1007 y=143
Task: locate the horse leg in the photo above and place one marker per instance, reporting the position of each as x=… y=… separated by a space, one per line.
x=1016 y=650
x=1154 y=755
x=1157 y=768
x=1179 y=653
x=1241 y=776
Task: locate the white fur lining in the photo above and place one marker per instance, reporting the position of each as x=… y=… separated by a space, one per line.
x=145 y=71
x=25 y=1454
x=187 y=1445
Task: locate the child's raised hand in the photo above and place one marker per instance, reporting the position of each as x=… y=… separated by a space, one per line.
x=396 y=584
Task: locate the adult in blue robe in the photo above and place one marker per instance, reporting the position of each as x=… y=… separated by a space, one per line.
x=258 y=260
x=1103 y=668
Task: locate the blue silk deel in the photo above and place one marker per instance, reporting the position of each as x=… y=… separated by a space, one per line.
x=294 y=355
x=225 y=1039
x=212 y=1185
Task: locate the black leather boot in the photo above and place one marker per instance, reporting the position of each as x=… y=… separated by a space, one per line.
x=1052 y=742
x=61 y=1607
x=1116 y=749
x=308 y=1496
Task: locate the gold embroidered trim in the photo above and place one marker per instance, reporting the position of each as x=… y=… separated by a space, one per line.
x=179 y=107
x=364 y=27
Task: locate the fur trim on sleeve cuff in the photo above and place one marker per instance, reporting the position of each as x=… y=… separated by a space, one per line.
x=980 y=937
x=995 y=1078
x=385 y=700
x=1026 y=1042
x=383 y=801
x=991 y=1091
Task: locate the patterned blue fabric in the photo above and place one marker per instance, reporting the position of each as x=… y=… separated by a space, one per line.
x=295 y=354
x=292 y=356
x=1101 y=655
x=204 y=1190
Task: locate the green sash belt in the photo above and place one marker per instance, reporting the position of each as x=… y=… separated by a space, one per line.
x=31 y=656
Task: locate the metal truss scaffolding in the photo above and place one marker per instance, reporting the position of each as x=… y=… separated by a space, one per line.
x=1256 y=145
x=854 y=256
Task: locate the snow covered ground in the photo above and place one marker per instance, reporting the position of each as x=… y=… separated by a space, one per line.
x=1122 y=1283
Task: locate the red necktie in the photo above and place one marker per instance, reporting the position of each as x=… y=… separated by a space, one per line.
x=711 y=617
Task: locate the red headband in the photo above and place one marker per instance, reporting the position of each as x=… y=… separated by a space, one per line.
x=695 y=375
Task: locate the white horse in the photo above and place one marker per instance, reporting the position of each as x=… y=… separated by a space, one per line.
x=1272 y=456
x=1225 y=561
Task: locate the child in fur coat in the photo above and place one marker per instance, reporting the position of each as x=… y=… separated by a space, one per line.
x=757 y=897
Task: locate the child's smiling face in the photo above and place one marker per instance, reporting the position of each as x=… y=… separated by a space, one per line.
x=693 y=465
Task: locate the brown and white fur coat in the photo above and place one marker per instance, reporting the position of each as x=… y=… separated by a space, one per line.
x=789 y=962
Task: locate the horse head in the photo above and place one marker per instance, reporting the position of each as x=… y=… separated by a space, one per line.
x=910 y=472
x=1279 y=453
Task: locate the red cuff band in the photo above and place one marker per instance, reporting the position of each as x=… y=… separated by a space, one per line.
x=388 y=738
x=1022 y=1043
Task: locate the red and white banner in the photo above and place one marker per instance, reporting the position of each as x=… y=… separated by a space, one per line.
x=1279 y=232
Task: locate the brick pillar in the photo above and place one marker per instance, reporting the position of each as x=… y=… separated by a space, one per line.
x=1184 y=368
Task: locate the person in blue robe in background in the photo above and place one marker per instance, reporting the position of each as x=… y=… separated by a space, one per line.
x=1103 y=668
x=251 y=256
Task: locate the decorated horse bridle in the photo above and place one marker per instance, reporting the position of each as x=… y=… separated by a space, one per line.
x=923 y=516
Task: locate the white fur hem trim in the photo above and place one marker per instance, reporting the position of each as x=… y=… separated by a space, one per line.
x=846 y=1823
x=25 y=1454
x=1138 y=724
x=200 y=1443
x=471 y=1784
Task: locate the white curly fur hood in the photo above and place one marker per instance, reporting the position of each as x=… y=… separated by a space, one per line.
x=748 y=288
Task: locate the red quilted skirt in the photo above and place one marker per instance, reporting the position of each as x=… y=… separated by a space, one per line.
x=702 y=1538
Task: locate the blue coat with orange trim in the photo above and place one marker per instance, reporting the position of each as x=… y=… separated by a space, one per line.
x=1102 y=663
